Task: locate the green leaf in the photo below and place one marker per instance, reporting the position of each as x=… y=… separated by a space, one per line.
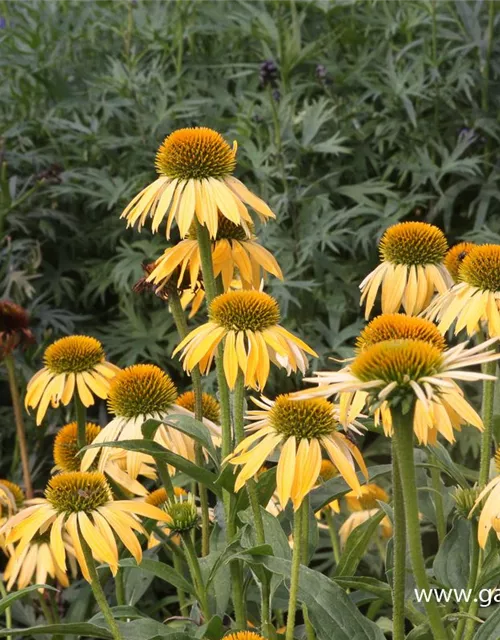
x=12 y=597
x=214 y=630
x=196 y=430
x=337 y=487
x=158 y=452
x=160 y=570
x=74 y=628
x=451 y=564
x=445 y=462
x=235 y=552
x=361 y=583
x=356 y=545
x=490 y=630
x=332 y=613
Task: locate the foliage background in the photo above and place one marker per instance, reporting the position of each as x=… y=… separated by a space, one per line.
x=378 y=111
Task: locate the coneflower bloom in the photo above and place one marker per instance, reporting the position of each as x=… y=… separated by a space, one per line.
x=37 y=562
x=75 y=364
x=14 y=327
x=301 y=428
x=80 y=505
x=244 y=635
x=67 y=458
x=411 y=270
x=455 y=256
x=209 y=404
x=411 y=371
x=12 y=498
x=362 y=508
x=233 y=248
x=397 y=326
x=246 y=322
x=195 y=168
x=137 y=394
x=489 y=498
x=159 y=499
x=475 y=299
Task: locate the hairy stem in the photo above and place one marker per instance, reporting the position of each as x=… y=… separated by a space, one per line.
x=98 y=592
x=294 y=578
x=194 y=568
x=81 y=419
x=20 y=428
x=399 y=542
x=487 y=415
x=403 y=442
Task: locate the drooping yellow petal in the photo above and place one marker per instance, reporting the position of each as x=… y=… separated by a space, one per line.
x=285 y=471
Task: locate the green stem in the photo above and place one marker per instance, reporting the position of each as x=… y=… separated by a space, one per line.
x=471 y=584
x=399 y=550
x=20 y=428
x=120 y=588
x=194 y=568
x=260 y=537
x=47 y=613
x=81 y=419
x=96 y=587
x=334 y=539
x=487 y=411
x=437 y=498
x=209 y=284
x=310 y=635
x=8 y=610
x=403 y=443
x=180 y=593
x=166 y=481
x=294 y=578
x=182 y=329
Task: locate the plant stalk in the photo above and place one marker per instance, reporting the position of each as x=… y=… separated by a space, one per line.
x=182 y=329
x=399 y=542
x=403 y=442
x=81 y=419
x=98 y=592
x=194 y=568
x=20 y=428
x=334 y=539
x=487 y=415
x=294 y=578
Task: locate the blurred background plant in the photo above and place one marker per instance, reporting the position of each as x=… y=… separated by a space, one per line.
x=349 y=116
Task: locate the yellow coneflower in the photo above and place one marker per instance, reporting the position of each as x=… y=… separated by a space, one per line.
x=139 y=393
x=247 y=324
x=14 y=327
x=359 y=517
x=80 y=505
x=37 y=561
x=195 y=181
x=367 y=498
x=411 y=269
x=210 y=405
x=388 y=373
x=475 y=298
x=72 y=364
x=397 y=326
x=302 y=428
x=455 y=256
x=232 y=249
x=12 y=498
x=67 y=459
x=244 y=635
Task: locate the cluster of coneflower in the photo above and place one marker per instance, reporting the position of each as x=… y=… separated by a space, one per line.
x=403 y=376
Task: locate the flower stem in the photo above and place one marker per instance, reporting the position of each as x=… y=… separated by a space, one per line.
x=437 y=498
x=209 y=283
x=81 y=419
x=403 y=443
x=180 y=593
x=20 y=429
x=473 y=575
x=165 y=478
x=399 y=550
x=294 y=578
x=98 y=592
x=120 y=588
x=310 y=635
x=182 y=329
x=334 y=539
x=194 y=568
x=487 y=411
x=8 y=610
